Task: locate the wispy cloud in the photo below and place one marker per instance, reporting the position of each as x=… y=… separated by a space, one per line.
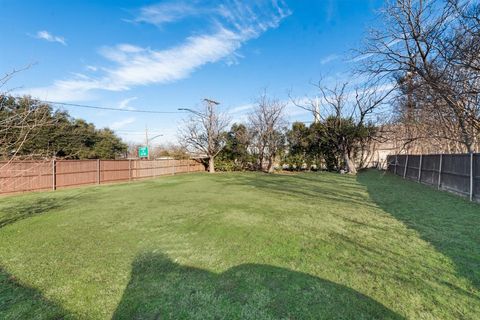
x=142 y=66
x=368 y=55
x=166 y=12
x=133 y=65
x=45 y=35
x=124 y=104
x=91 y=68
x=242 y=108
x=63 y=91
x=329 y=58
x=122 y=123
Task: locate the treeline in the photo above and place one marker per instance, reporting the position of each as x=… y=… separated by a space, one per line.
x=31 y=129
x=339 y=139
x=318 y=146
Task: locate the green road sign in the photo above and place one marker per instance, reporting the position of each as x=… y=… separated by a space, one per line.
x=143 y=152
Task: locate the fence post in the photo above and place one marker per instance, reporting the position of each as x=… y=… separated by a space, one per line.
x=98 y=171
x=129 y=169
x=440 y=171
x=174 y=161
x=54 y=174
x=396 y=159
x=406 y=166
x=471 y=176
x=420 y=169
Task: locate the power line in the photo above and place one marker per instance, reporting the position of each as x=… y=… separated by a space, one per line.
x=129 y=110
x=137 y=131
x=106 y=108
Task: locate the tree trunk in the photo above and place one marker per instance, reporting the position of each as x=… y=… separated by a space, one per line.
x=211 y=164
x=270 y=165
x=349 y=163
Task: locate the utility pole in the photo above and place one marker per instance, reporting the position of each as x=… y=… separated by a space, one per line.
x=146 y=142
x=210 y=101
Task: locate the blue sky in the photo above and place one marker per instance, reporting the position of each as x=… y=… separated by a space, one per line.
x=164 y=55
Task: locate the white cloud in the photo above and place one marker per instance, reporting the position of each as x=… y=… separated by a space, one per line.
x=91 y=68
x=45 y=35
x=132 y=65
x=121 y=123
x=242 y=108
x=329 y=58
x=368 y=55
x=147 y=66
x=165 y=12
x=124 y=104
x=58 y=92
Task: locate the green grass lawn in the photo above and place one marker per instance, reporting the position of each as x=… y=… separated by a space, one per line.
x=241 y=246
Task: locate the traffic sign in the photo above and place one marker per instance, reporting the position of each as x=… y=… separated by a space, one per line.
x=143 y=152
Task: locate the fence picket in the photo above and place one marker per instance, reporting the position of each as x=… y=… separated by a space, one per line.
x=420 y=169
x=406 y=167
x=440 y=172
x=54 y=174
x=471 y=176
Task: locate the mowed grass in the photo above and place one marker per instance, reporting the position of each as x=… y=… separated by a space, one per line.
x=241 y=246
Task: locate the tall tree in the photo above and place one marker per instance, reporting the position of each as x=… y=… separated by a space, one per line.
x=433 y=45
x=346 y=121
x=203 y=131
x=299 y=151
x=236 y=150
x=267 y=127
x=31 y=129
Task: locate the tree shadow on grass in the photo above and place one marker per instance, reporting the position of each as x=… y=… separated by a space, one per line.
x=27 y=208
x=451 y=224
x=162 y=289
x=309 y=187
x=21 y=302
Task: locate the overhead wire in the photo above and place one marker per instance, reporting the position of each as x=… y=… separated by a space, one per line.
x=108 y=108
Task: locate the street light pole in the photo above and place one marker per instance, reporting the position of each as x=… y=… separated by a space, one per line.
x=146 y=143
x=148 y=140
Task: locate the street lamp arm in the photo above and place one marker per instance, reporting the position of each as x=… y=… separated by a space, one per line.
x=157 y=136
x=192 y=111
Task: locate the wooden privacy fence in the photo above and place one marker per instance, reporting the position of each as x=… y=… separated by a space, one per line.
x=23 y=176
x=457 y=173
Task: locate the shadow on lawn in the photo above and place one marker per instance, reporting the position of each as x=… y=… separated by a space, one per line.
x=21 y=302
x=31 y=207
x=309 y=187
x=162 y=289
x=451 y=224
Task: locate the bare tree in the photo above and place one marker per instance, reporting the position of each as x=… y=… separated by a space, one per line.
x=432 y=45
x=348 y=115
x=203 y=131
x=20 y=119
x=267 y=126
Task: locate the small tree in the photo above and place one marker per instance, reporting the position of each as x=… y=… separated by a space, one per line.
x=203 y=131
x=267 y=127
x=345 y=126
x=235 y=155
x=299 y=152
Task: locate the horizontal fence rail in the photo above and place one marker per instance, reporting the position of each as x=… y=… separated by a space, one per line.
x=24 y=176
x=456 y=173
